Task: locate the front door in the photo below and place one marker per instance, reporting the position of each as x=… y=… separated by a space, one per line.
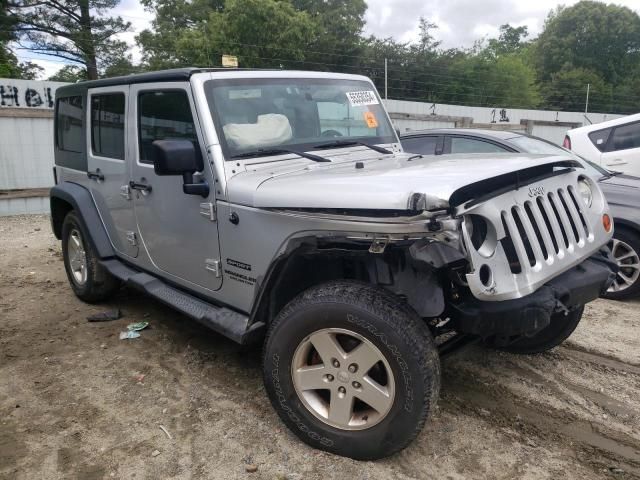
x=622 y=151
x=109 y=163
x=178 y=231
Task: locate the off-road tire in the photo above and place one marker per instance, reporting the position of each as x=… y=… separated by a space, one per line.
x=560 y=328
x=384 y=320
x=632 y=239
x=100 y=284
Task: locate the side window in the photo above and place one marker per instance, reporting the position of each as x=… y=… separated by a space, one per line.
x=69 y=124
x=164 y=114
x=600 y=138
x=471 y=145
x=107 y=125
x=421 y=145
x=626 y=137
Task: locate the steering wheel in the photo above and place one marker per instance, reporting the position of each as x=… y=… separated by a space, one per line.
x=331 y=133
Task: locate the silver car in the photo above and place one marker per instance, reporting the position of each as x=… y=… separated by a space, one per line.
x=279 y=209
x=621 y=191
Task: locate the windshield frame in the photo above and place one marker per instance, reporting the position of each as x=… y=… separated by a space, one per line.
x=210 y=84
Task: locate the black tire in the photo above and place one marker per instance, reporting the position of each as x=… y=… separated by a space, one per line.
x=632 y=240
x=560 y=328
x=393 y=328
x=99 y=284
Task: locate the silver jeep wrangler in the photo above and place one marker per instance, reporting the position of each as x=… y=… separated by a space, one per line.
x=278 y=207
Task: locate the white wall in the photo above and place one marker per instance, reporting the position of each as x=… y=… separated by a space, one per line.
x=421 y=116
x=26 y=133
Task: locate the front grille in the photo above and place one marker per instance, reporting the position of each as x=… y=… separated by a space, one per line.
x=543 y=229
x=533 y=234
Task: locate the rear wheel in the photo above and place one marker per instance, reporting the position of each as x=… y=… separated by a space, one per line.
x=625 y=249
x=351 y=369
x=559 y=329
x=89 y=280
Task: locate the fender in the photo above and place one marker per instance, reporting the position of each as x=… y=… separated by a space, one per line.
x=68 y=196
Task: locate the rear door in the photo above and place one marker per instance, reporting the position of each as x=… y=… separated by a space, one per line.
x=108 y=164
x=622 y=150
x=178 y=231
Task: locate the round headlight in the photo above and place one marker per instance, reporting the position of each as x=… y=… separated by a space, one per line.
x=585 y=192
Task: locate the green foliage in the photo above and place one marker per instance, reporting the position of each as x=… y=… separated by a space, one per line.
x=602 y=38
x=590 y=43
x=69 y=73
x=509 y=41
x=261 y=33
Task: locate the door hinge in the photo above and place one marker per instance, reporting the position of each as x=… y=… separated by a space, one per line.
x=208 y=210
x=213 y=265
x=132 y=238
x=125 y=192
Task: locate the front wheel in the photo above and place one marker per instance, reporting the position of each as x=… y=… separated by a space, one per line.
x=559 y=329
x=625 y=249
x=351 y=369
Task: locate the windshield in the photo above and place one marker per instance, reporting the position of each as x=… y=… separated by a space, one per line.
x=536 y=145
x=295 y=113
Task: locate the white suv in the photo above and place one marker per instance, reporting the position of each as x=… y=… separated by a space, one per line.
x=614 y=144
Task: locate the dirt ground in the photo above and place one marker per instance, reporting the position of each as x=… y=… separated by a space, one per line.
x=78 y=402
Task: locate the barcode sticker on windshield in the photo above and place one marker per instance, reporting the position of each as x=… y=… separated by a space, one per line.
x=363 y=98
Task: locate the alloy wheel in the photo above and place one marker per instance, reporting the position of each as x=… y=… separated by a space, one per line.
x=343 y=379
x=77 y=257
x=628 y=262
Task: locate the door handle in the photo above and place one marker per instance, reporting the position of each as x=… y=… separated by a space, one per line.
x=143 y=187
x=617 y=161
x=97 y=175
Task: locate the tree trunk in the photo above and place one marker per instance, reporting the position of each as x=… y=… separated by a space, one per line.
x=87 y=46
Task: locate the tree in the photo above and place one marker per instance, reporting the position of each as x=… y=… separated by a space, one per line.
x=261 y=33
x=69 y=73
x=173 y=19
x=121 y=67
x=337 y=44
x=598 y=37
x=78 y=31
x=510 y=40
x=567 y=90
x=10 y=67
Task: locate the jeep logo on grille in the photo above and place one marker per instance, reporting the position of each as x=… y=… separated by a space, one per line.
x=536 y=191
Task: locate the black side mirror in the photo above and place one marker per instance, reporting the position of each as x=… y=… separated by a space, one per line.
x=179 y=157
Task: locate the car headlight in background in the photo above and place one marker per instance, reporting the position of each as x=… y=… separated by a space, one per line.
x=584 y=188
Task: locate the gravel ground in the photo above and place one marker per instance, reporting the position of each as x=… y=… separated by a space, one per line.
x=78 y=402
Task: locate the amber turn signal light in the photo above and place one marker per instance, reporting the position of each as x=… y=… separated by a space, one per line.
x=607 y=223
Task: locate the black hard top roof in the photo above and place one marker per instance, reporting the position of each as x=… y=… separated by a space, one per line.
x=173 y=75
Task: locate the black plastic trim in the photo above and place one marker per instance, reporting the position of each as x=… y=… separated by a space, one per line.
x=532 y=313
x=80 y=200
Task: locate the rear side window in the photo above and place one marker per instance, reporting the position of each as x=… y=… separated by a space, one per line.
x=471 y=145
x=163 y=115
x=600 y=138
x=421 y=145
x=107 y=125
x=626 y=137
x=69 y=124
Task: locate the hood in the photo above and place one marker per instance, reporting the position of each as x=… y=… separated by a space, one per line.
x=621 y=190
x=384 y=183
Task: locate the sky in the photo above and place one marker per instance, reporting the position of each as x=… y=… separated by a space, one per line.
x=460 y=22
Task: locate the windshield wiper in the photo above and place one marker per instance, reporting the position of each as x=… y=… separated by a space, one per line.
x=264 y=152
x=351 y=143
